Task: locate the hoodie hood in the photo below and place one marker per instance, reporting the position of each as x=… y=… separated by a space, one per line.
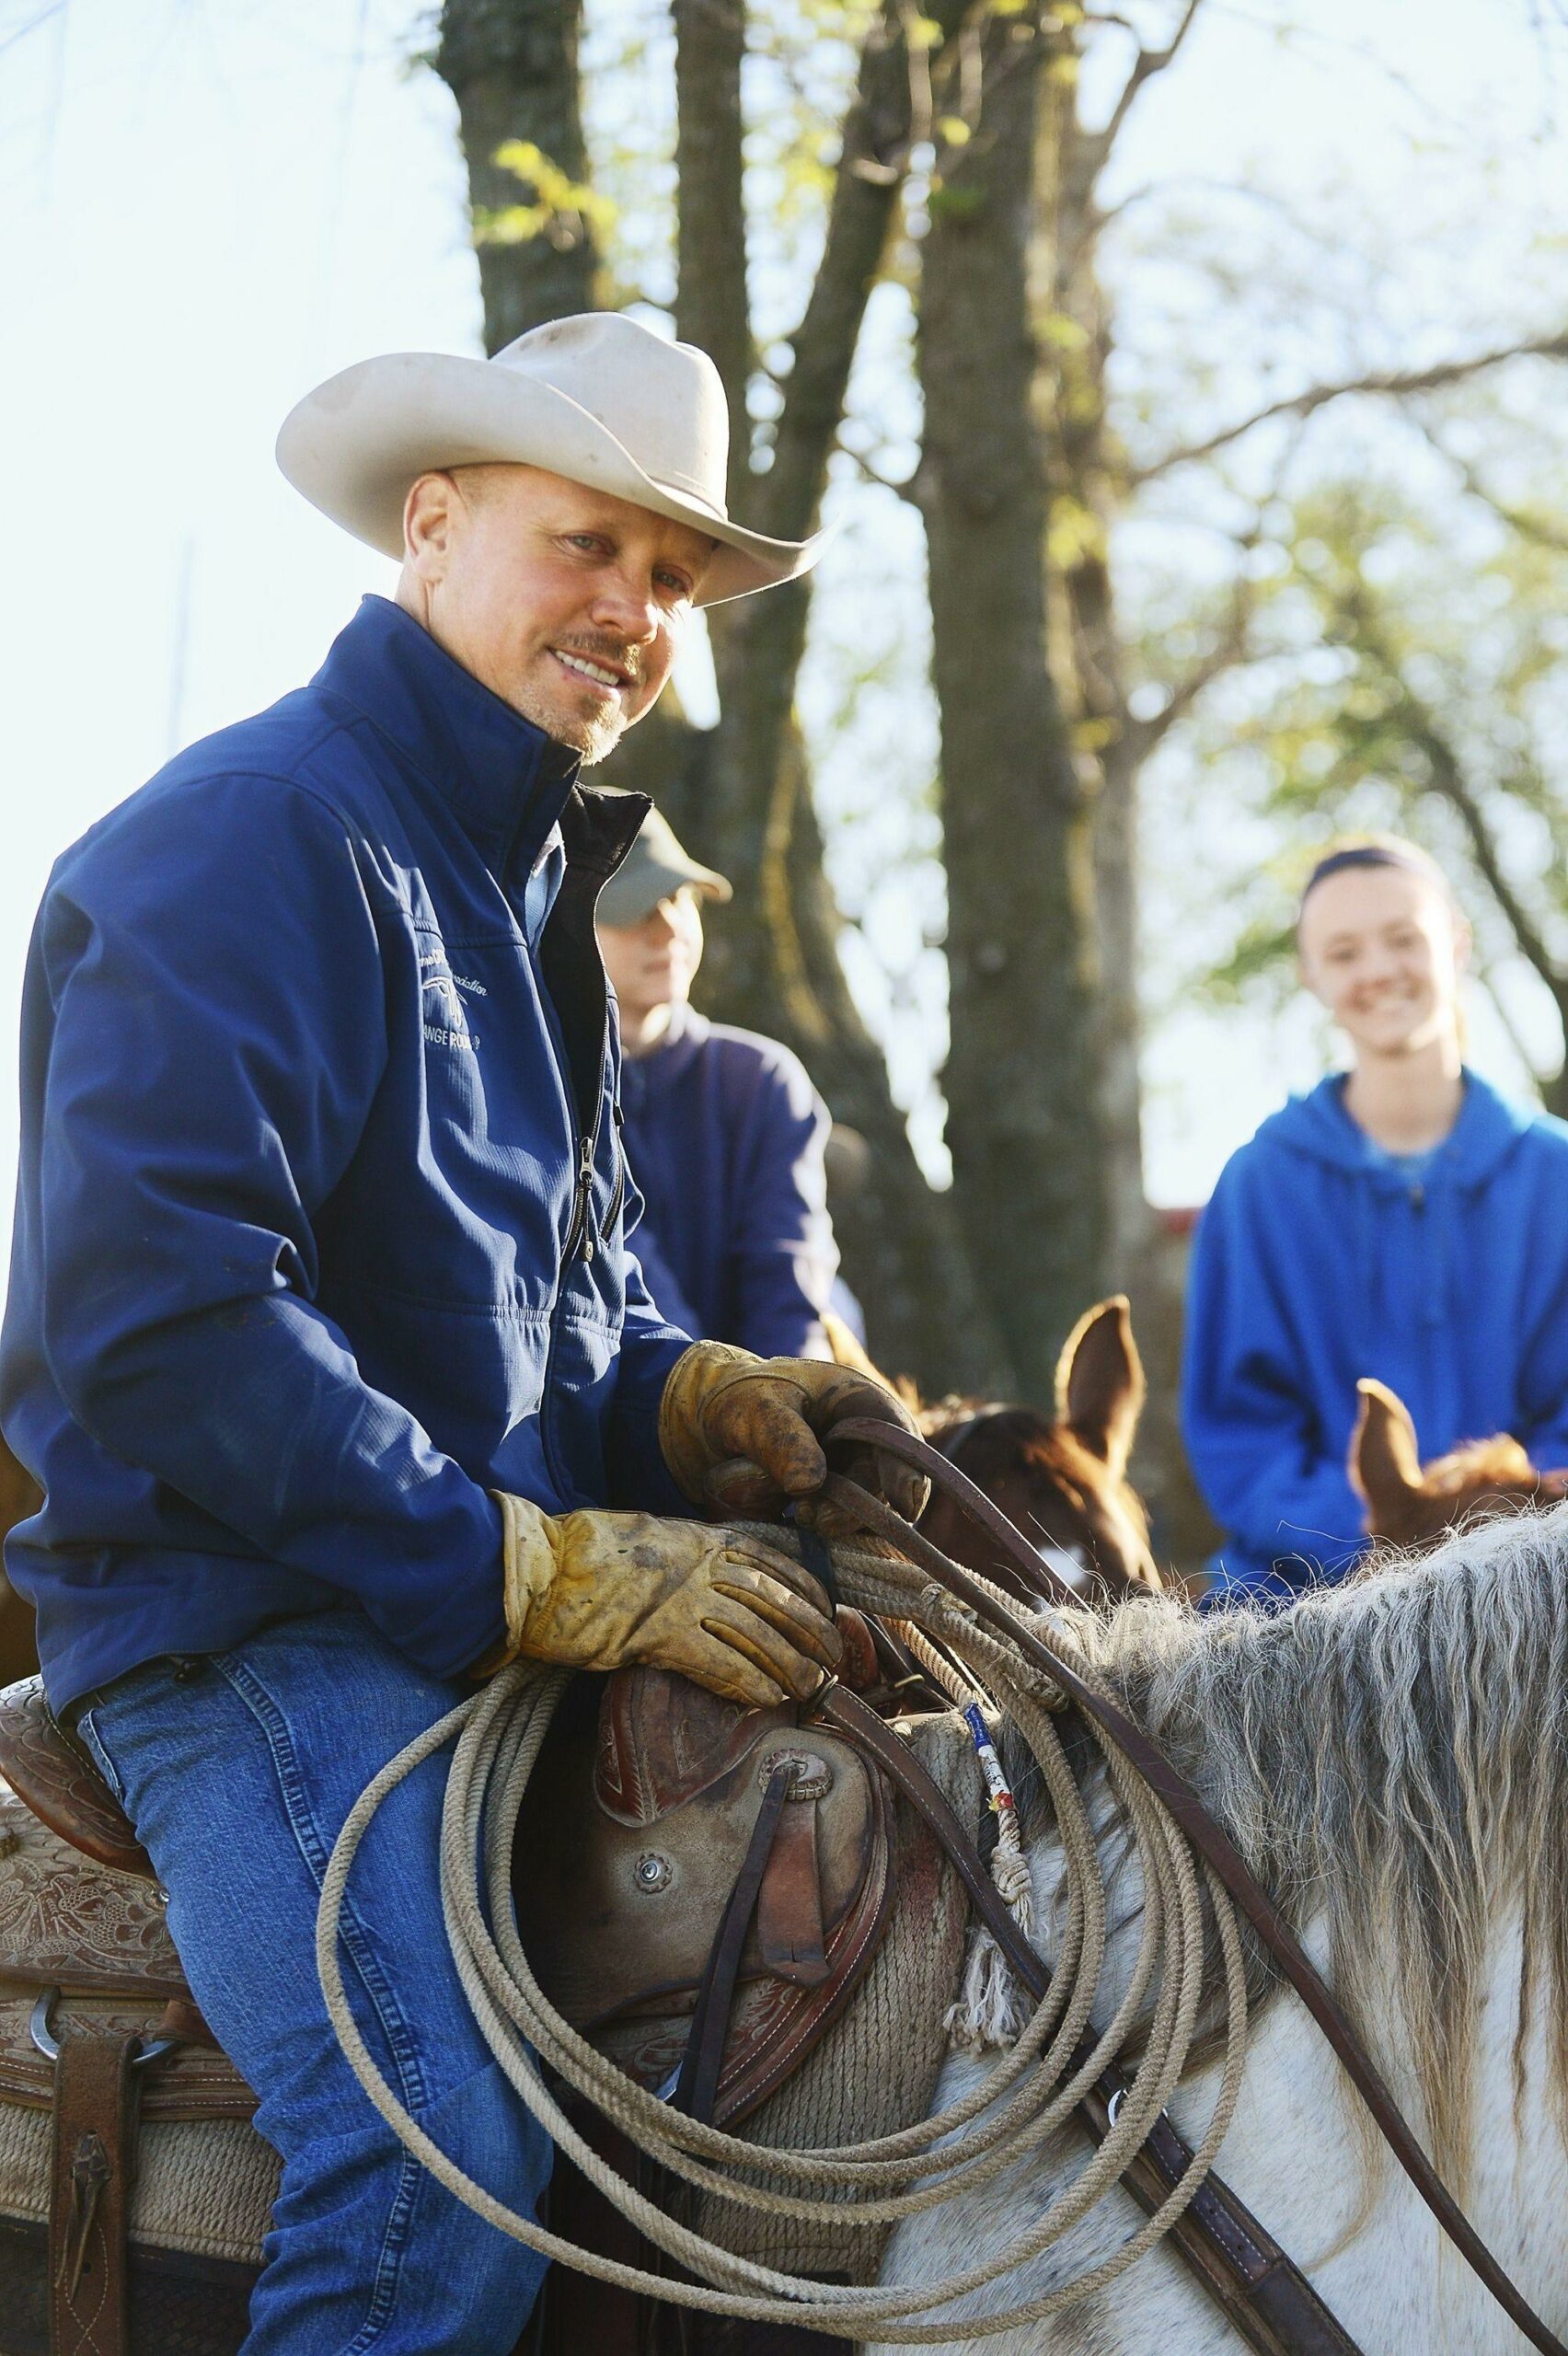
x=1488 y=1130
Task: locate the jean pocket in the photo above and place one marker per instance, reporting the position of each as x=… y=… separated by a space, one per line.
x=87 y=1735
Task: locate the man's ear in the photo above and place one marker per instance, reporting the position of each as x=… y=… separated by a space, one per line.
x=1385 y=1461
x=1100 y=1382
x=430 y=520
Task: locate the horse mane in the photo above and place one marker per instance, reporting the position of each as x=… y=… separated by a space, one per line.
x=1495 y=1463
x=1391 y=1759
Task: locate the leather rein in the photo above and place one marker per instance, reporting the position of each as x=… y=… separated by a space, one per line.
x=1251 y=2277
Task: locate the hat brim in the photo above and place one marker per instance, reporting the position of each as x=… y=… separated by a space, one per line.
x=354 y=444
x=627 y=899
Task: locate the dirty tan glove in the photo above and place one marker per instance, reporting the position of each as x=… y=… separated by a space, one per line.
x=598 y=1591
x=721 y=1405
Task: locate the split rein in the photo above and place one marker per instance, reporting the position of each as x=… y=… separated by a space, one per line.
x=1060 y=2066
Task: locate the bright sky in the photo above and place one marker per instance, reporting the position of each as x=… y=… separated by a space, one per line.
x=208 y=205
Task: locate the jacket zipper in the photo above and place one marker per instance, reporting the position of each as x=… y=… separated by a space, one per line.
x=579 y=1234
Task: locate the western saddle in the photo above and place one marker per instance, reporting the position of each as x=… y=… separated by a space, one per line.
x=672 y=1812
x=97 y=2023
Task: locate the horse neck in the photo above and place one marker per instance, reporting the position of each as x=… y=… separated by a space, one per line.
x=1301 y=2155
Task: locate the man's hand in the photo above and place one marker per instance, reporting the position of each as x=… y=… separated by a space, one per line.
x=745 y=1433
x=599 y=1591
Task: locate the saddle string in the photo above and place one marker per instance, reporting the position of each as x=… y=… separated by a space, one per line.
x=1030 y=2092
x=985 y=2012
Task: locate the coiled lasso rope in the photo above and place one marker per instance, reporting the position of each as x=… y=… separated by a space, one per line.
x=499 y=1734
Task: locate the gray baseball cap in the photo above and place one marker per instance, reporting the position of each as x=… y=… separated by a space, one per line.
x=656 y=866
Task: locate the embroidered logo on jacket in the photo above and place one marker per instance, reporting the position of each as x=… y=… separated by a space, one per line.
x=446 y=1017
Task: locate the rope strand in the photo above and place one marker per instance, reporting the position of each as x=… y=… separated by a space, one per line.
x=498 y=1735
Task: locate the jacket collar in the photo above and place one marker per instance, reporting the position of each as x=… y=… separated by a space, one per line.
x=506 y=782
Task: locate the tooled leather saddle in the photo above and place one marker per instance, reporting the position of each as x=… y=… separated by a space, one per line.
x=697 y=1883
x=98 y=2028
x=630 y=1875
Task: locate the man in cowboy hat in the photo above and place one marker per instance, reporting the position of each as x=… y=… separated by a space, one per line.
x=725 y=1133
x=323 y=1336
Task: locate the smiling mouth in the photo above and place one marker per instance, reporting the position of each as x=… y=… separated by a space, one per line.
x=598 y=674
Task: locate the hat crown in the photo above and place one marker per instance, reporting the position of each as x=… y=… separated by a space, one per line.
x=663 y=402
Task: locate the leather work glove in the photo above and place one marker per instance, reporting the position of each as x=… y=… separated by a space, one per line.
x=745 y=1433
x=601 y=1591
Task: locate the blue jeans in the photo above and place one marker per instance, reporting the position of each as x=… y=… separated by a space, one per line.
x=237 y=1770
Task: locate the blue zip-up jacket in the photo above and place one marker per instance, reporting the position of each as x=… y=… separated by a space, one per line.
x=725 y=1136
x=321 y=1209
x=1316 y=1263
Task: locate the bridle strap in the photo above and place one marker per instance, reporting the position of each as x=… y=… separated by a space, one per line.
x=1209 y=1837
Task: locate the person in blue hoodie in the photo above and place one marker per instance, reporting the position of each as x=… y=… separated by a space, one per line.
x=1403 y=1221
x=725 y=1135
x=325 y=1340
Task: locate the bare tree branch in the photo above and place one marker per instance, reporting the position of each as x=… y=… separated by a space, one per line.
x=1229 y=649
x=1449 y=779
x=903 y=487
x=21 y=31
x=1542 y=530
x=1231 y=646
x=1398 y=383
x=1446 y=776
x=1145 y=65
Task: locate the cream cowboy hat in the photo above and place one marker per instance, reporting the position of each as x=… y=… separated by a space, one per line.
x=596 y=398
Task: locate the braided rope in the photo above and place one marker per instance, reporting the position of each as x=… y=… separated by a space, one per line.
x=1025 y=2097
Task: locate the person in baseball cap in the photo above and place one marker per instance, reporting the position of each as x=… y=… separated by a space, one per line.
x=724 y=1133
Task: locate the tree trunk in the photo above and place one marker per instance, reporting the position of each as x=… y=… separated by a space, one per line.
x=773 y=960
x=1022 y=1086
x=712 y=305
x=512 y=67
x=1074 y=342
x=741 y=791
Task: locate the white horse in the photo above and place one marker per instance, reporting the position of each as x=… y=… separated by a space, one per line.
x=1391 y=1759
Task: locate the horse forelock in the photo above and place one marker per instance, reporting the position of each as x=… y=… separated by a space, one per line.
x=1391 y=1759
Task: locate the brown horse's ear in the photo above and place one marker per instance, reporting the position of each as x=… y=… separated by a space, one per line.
x=1100 y=1382
x=1384 y=1462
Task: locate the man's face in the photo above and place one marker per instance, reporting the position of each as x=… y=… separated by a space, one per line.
x=654 y=963
x=566 y=604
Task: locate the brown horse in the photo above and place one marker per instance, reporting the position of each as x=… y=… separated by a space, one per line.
x=1062 y=1479
x=1412 y=1504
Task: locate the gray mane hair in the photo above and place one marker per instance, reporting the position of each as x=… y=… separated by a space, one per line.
x=1391 y=1759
